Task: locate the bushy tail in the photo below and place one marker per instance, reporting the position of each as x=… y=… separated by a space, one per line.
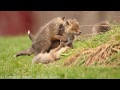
x=30 y=36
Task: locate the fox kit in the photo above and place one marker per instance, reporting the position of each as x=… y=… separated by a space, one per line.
x=43 y=39
x=50 y=57
x=72 y=28
x=55 y=43
x=102 y=26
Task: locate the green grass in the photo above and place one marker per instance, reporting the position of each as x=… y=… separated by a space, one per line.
x=21 y=67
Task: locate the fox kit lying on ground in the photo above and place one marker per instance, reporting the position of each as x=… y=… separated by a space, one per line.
x=102 y=26
x=50 y=57
x=43 y=39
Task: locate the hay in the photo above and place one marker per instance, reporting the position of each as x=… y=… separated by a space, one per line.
x=98 y=54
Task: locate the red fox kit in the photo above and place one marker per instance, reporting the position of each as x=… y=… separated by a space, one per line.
x=43 y=39
x=50 y=57
x=72 y=28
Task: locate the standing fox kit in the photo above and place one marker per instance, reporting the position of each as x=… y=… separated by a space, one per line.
x=102 y=26
x=42 y=41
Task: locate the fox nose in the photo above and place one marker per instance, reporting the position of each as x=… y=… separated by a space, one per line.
x=79 y=32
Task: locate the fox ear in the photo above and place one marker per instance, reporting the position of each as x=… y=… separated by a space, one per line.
x=63 y=18
x=68 y=23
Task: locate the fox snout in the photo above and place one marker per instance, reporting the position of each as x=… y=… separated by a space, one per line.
x=78 y=33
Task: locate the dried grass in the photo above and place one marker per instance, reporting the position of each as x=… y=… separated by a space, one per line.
x=98 y=54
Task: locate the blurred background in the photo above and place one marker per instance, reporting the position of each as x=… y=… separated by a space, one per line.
x=13 y=23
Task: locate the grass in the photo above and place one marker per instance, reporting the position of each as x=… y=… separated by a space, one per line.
x=21 y=67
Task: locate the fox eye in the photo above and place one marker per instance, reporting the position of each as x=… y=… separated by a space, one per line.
x=75 y=29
